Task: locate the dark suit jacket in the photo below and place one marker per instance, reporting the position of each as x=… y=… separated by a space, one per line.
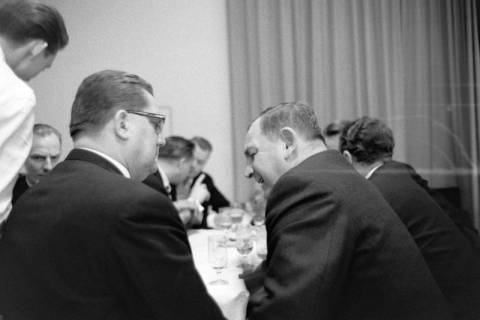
x=448 y=254
x=20 y=187
x=336 y=250
x=155 y=181
x=217 y=200
x=459 y=216
x=88 y=243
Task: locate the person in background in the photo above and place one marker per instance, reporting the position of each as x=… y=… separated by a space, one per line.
x=459 y=216
x=332 y=132
x=91 y=241
x=31 y=34
x=201 y=154
x=336 y=250
x=44 y=156
x=174 y=165
x=368 y=145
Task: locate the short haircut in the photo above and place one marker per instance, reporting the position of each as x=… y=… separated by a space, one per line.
x=335 y=128
x=101 y=94
x=43 y=130
x=297 y=115
x=24 y=20
x=176 y=148
x=203 y=143
x=368 y=140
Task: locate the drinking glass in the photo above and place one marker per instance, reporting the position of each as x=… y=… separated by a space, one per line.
x=223 y=219
x=261 y=242
x=217 y=256
x=236 y=214
x=244 y=244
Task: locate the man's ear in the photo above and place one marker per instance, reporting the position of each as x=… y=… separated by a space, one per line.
x=37 y=47
x=289 y=139
x=121 y=125
x=348 y=156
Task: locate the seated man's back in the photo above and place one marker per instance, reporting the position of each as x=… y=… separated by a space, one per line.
x=449 y=256
x=336 y=250
x=91 y=241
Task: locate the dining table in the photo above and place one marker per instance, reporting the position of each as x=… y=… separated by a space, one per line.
x=232 y=297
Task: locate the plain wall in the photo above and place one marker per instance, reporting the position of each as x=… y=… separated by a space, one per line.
x=179 y=46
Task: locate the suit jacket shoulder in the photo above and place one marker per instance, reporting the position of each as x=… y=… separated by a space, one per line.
x=114 y=246
x=335 y=249
x=449 y=256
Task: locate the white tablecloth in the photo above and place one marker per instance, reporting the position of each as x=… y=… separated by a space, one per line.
x=231 y=298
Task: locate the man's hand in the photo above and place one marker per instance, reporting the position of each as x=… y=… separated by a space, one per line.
x=199 y=192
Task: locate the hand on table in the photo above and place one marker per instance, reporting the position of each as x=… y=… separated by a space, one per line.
x=189 y=211
x=199 y=192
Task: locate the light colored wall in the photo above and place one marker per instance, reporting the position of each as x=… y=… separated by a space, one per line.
x=179 y=46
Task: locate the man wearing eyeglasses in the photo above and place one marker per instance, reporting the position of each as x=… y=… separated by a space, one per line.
x=93 y=242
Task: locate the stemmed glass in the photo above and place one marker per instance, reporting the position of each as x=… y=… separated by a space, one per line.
x=261 y=242
x=217 y=256
x=223 y=219
x=244 y=244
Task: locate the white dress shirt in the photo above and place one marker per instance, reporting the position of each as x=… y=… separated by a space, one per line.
x=17 y=101
x=115 y=163
x=166 y=182
x=369 y=174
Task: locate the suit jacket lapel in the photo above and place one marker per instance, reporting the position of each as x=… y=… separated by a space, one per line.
x=85 y=155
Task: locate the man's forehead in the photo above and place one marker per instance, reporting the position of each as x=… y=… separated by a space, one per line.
x=200 y=153
x=44 y=140
x=150 y=104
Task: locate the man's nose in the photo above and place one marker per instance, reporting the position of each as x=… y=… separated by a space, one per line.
x=248 y=171
x=160 y=140
x=48 y=166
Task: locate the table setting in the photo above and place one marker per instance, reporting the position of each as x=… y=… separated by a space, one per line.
x=222 y=254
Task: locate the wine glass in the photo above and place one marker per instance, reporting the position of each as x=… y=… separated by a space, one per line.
x=261 y=242
x=236 y=214
x=217 y=256
x=244 y=244
x=223 y=219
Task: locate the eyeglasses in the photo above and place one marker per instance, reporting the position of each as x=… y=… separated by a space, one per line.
x=157 y=119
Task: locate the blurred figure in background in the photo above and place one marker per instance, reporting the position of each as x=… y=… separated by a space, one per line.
x=201 y=154
x=368 y=145
x=332 y=132
x=31 y=34
x=44 y=156
x=459 y=216
x=174 y=166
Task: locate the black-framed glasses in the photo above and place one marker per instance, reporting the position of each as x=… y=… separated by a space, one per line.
x=157 y=119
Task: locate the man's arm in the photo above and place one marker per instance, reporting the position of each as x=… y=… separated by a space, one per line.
x=151 y=267
x=217 y=199
x=309 y=252
x=16 y=125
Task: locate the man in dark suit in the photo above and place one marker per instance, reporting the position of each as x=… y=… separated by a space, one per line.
x=174 y=165
x=216 y=200
x=460 y=217
x=366 y=143
x=336 y=250
x=201 y=154
x=93 y=242
x=43 y=157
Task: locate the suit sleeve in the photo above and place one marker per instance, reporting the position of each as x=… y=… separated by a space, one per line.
x=309 y=248
x=150 y=265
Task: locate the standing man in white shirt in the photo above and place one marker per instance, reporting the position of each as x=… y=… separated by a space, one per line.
x=31 y=34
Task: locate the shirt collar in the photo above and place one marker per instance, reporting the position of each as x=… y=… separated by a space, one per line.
x=116 y=163
x=369 y=174
x=166 y=182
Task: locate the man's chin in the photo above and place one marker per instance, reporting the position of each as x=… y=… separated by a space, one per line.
x=34 y=180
